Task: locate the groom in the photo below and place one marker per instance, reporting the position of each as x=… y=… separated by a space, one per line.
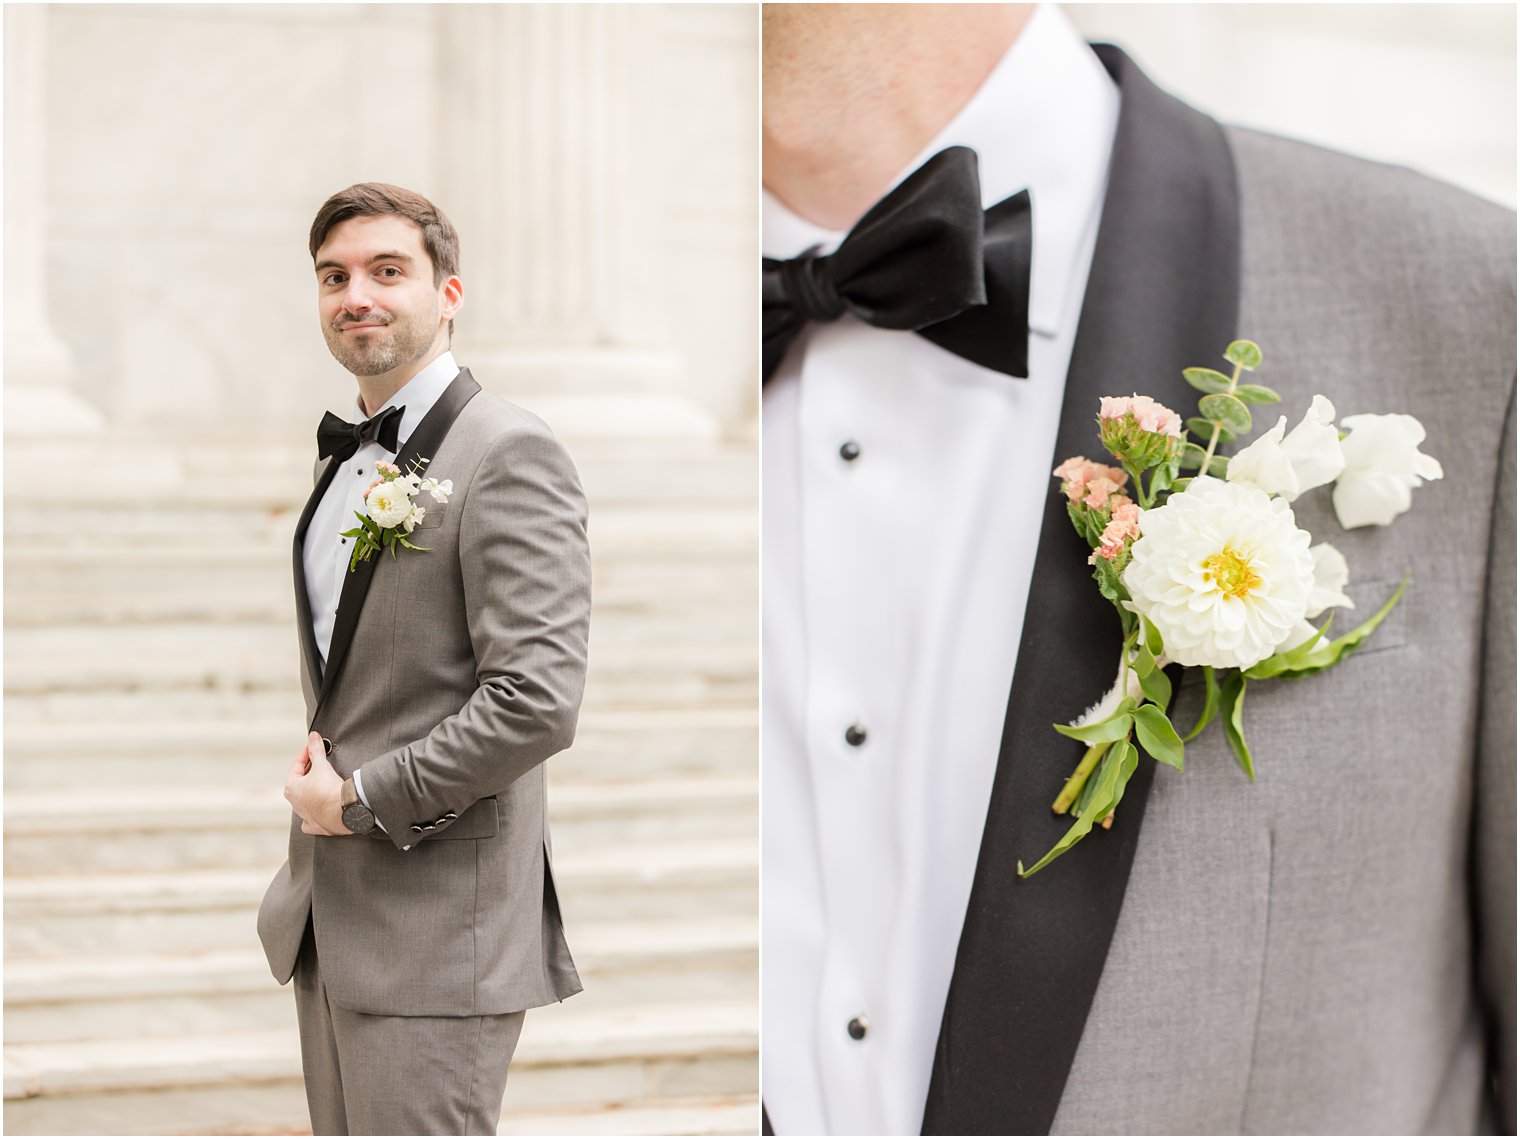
x=1327 y=949
x=417 y=910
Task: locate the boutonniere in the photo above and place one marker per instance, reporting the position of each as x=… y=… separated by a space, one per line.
x=1210 y=570
x=390 y=513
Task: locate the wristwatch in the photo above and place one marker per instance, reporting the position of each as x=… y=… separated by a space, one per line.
x=356 y=816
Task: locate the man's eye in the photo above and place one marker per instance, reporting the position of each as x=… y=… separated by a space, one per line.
x=390 y=271
x=332 y=278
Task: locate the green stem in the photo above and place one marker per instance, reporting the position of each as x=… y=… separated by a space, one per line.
x=1078 y=779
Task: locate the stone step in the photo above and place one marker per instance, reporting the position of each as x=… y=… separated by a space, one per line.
x=242 y=657
x=740 y=1116
x=224 y=586
x=122 y=996
x=216 y=909
x=609 y=474
x=89 y=752
x=708 y=533
x=137 y=829
x=250 y=1081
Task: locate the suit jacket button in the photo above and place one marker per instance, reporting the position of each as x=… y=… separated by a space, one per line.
x=429 y=826
x=451 y=815
x=855 y=735
x=416 y=830
x=858 y=1027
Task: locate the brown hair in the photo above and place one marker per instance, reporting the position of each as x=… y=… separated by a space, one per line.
x=369 y=199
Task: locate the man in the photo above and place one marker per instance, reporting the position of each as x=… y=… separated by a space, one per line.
x=1329 y=948
x=417 y=911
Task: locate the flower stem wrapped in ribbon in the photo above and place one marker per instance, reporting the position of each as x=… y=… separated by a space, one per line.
x=1210 y=569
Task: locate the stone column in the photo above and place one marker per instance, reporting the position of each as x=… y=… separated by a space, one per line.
x=38 y=366
x=547 y=116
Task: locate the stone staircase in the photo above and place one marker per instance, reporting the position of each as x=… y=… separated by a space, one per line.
x=151 y=687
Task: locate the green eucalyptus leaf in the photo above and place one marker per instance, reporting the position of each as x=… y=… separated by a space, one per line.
x=1210 y=703
x=1157 y=736
x=1192 y=457
x=1204 y=429
x=1232 y=699
x=1114 y=728
x=1255 y=393
x=1219 y=466
x=1206 y=379
x=1110 y=779
x=1157 y=688
x=1244 y=353
x=1227 y=411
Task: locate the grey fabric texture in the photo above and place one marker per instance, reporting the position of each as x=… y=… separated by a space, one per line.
x=1331 y=949
x=465 y=673
x=392 y=1075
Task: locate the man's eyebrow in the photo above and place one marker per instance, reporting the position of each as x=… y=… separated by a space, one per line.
x=389 y=255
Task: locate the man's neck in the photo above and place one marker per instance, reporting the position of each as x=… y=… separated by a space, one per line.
x=852 y=92
x=376 y=391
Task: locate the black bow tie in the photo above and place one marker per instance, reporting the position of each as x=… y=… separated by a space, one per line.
x=927 y=258
x=341 y=438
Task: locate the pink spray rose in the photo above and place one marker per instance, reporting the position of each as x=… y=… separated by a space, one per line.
x=1123 y=526
x=1090 y=483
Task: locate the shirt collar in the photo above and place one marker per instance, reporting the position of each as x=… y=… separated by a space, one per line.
x=418 y=395
x=1043 y=121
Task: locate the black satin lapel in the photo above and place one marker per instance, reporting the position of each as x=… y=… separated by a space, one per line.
x=309 y=651
x=1162 y=295
x=424 y=441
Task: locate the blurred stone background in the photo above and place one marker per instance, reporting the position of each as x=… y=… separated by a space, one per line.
x=1429 y=86
x=164 y=374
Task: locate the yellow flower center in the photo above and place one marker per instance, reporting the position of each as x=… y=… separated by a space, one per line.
x=1231 y=573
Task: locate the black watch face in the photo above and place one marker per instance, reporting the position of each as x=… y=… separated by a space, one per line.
x=358 y=818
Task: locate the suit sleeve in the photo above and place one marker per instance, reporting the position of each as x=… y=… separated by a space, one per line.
x=1494 y=797
x=526 y=573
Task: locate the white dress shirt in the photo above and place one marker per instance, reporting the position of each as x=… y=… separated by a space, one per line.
x=894 y=587
x=325 y=554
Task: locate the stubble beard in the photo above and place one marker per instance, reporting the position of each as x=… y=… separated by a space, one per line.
x=402 y=340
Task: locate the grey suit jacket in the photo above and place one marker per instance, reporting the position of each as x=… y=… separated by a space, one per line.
x=1330 y=949
x=453 y=674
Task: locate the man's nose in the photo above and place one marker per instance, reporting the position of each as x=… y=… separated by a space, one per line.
x=356 y=300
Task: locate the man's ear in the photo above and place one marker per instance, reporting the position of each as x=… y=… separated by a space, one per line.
x=453 y=298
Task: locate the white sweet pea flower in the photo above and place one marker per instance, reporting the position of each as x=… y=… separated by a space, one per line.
x=413 y=481
x=388 y=503
x=1223 y=572
x=1308 y=457
x=1383 y=464
x=439 y=490
x=1330 y=576
x=416 y=516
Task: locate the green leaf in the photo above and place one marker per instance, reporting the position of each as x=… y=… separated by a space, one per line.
x=1192 y=457
x=1157 y=736
x=1151 y=635
x=1296 y=657
x=1227 y=411
x=1204 y=429
x=1334 y=652
x=1210 y=704
x=1255 y=393
x=1157 y=688
x=1245 y=353
x=1110 y=779
x=1116 y=727
x=1206 y=379
x=1219 y=466
x=1233 y=698
x=1145 y=661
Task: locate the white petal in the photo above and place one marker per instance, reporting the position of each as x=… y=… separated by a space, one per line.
x=1330 y=576
x=1314 y=448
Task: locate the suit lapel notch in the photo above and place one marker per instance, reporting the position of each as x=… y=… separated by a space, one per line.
x=1162 y=295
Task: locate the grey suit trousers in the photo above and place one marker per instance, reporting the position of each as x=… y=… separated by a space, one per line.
x=398 y=1075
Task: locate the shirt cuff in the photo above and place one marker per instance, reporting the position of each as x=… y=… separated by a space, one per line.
x=359 y=790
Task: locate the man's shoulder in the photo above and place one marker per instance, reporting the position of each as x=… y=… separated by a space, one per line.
x=1374 y=213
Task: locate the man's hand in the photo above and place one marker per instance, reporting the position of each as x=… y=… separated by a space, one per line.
x=314 y=790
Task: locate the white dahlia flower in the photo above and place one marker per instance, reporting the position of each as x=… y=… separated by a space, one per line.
x=1223 y=572
x=389 y=503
